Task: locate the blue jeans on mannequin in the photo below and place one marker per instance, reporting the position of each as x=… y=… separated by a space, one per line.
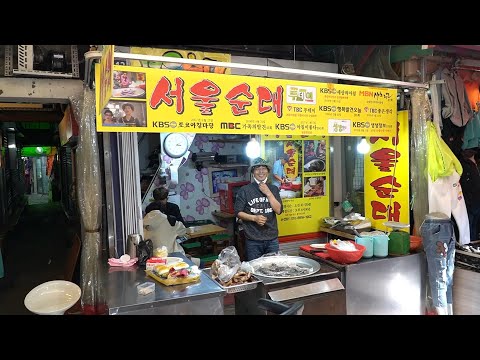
x=439 y=246
x=256 y=248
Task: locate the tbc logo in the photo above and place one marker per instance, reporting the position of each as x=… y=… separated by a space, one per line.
x=225 y=125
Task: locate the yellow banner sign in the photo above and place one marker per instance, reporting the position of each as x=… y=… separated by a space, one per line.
x=387 y=177
x=106 y=75
x=186 y=101
x=304 y=192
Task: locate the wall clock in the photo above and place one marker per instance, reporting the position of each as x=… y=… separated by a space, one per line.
x=175 y=145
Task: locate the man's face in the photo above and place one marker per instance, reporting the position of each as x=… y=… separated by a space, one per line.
x=128 y=110
x=260 y=173
x=108 y=116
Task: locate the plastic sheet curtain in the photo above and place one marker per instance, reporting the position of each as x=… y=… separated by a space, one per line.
x=421 y=113
x=89 y=203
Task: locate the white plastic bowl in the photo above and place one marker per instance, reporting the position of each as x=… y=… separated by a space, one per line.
x=52 y=297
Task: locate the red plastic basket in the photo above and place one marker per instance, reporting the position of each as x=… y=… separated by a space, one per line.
x=345 y=257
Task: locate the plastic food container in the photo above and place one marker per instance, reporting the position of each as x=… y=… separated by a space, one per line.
x=145 y=288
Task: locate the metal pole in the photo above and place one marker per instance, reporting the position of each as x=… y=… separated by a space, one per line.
x=89 y=58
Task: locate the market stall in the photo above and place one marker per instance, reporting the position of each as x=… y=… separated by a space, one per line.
x=299 y=130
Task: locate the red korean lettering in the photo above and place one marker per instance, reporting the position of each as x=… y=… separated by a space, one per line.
x=379 y=210
x=395 y=214
x=395 y=139
x=383 y=191
x=163 y=93
x=266 y=96
x=291 y=152
x=385 y=158
x=374 y=139
x=238 y=106
x=204 y=94
x=290 y=171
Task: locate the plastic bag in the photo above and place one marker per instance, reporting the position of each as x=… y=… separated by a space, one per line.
x=144 y=251
x=227 y=264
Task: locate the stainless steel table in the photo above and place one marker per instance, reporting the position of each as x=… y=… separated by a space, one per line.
x=321 y=292
x=204 y=297
x=393 y=285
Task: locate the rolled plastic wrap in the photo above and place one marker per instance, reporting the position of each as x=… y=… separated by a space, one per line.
x=421 y=114
x=89 y=202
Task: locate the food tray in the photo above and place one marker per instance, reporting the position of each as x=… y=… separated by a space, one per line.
x=174 y=281
x=301 y=261
x=233 y=289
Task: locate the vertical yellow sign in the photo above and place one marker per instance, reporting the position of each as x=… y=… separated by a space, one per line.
x=106 y=75
x=387 y=177
x=305 y=195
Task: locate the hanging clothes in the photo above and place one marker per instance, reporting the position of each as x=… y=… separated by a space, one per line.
x=457 y=106
x=471 y=135
x=473 y=93
x=444 y=190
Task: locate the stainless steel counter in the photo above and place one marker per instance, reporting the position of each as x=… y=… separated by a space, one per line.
x=204 y=297
x=393 y=285
x=322 y=293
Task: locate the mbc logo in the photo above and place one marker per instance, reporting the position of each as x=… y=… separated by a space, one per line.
x=225 y=125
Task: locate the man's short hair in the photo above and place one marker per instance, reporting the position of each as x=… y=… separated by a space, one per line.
x=108 y=112
x=128 y=104
x=285 y=157
x=160 y=193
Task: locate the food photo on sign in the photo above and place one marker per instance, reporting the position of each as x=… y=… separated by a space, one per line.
x=314 y=155
x=128 y=84
x=314 y=186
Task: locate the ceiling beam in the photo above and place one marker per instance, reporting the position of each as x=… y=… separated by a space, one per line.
x=43 y=91
x=28 y=116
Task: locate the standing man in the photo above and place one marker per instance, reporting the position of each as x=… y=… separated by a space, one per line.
x=279 y=170
x=257 y=205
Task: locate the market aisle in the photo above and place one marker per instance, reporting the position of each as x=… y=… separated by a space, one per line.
x=35 y=252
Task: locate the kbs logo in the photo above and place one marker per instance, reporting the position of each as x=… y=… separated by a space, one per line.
x=361 y=124
x=225 y=125
x=282 y=127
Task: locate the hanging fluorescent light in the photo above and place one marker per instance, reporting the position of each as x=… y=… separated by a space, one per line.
x=363 y=146
x=253 y=148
